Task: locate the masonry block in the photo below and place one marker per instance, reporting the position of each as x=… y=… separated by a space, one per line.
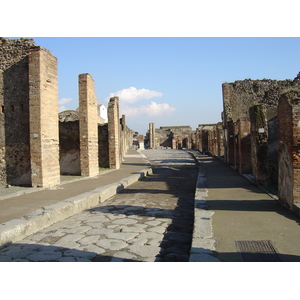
x=88 y=126
x=114 y=133
x=43 y=118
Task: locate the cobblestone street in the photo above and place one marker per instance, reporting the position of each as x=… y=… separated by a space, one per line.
x=151 y=220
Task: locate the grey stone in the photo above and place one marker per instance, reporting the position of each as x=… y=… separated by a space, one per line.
x=67 y=259
x=125 y=221
x=45 y=256
x=79 y=253
x=92 y=248
x=144 y=251
x=157 y=229
x=68 y=239
x=139 y=228
x=153 y=223
x=78 y=230
x=112 y=244
x=5 y=258
x=89 y=240
x=202 y=245
x=20 y=260
x=151 y=235
x=138 y=240
x=121 y=235
x=81 y=259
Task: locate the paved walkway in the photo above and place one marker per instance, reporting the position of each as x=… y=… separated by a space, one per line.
x=243 y=212
x=151 y=220
x=16 y=202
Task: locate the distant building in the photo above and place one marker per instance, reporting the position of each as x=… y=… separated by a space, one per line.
x=102 y=112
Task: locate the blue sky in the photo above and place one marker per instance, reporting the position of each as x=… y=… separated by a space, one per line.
x=140 y=52
x=168 y=80
x=166 y=61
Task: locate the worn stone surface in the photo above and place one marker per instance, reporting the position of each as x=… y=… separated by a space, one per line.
x=151 y=220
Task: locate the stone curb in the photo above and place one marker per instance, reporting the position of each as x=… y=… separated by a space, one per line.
x=17 y=229
x=202 y=242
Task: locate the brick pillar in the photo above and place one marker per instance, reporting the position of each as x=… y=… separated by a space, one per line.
x=114 y=132
x=174 y=143
x=88 y=126
x=152 y=135
x=43 y=118
x=220 y=147
x=289 y=149
x=259 y=144
x=244 y=147
x=229 y=147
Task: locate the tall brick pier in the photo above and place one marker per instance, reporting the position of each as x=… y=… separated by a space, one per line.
x=88 y=126
x=114 y=133
x=43 y=118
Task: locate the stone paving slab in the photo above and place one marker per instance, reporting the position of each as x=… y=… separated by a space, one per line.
x=125 y=227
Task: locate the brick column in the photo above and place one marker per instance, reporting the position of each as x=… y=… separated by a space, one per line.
x=152 y=135
x=259 y=144
x=43 y=118
x=244 y=147
x=289 y=149
x=220 y=147
x=229 y=146
x=114 y=132
x=88 y=126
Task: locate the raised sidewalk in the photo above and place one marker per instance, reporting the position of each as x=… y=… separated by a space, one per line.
x=237 y=212
x=24 y=211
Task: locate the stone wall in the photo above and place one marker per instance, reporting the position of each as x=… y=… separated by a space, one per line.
x=174 y=137
x=240 y=99
x=289 y=149
x=14 y=111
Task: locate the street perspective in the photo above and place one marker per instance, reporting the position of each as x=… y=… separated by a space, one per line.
x=114 y=178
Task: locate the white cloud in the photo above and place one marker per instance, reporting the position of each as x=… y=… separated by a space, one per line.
x=152 y=110
x=61 y=103
x=132 y=95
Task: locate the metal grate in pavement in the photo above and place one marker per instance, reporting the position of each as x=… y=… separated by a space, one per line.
x=257 y=251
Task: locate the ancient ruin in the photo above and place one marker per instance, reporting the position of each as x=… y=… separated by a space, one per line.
x=37 y=144
x=258 y=135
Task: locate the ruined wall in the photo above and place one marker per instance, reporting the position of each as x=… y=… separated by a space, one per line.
x=238 y=100
x=205 y=142
x=14 y=111
x=289 y=148
x=69 y=144
x=240 y=95
x=170 y=137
